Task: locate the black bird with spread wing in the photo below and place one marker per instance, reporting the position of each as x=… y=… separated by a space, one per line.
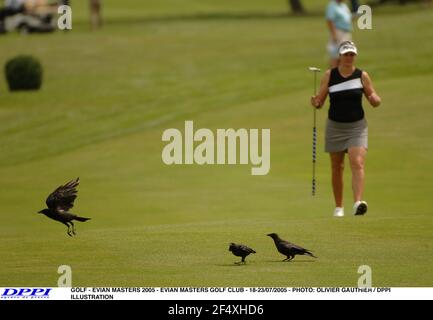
x=288 y=249
x=239 y=250
x=60 y=201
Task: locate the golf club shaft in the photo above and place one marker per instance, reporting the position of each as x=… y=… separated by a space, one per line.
x=313 y=183
x=313 y=186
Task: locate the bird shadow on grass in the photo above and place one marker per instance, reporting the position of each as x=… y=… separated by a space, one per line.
x=267 y=261
x=232 y=265
x=293 y=261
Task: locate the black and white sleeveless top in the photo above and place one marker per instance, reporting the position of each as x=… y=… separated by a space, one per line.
x=345 y=95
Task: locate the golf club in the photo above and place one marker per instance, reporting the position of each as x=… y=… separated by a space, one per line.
x=313 y=186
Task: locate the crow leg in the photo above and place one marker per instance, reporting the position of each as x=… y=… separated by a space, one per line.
x=69 y=232
x=290 y=258
x=73 y=227
x=243 y=260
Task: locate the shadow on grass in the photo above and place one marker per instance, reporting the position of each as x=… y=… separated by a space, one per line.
x=232 y=265
x=210 y=16
x=292 y=261
x=267 y=261
x=224 y=16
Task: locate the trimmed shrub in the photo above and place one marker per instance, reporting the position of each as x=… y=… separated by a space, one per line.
x=23 y=73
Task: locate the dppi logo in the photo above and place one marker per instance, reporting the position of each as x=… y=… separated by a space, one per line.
x=28 y=293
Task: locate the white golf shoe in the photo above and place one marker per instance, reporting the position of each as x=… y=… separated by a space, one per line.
x=360 y=208
x=339 y=212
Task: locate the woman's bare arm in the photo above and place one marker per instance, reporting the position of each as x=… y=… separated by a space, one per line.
x=369 y=91
x=319 y=99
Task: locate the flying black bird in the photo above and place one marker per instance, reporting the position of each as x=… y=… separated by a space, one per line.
x=239 y=250
x=60 y=201
x=288 y=249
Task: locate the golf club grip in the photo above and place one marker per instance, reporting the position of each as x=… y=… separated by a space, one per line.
x=313 y=187
x=315 y=83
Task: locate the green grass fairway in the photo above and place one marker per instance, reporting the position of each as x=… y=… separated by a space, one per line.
x=108 y=96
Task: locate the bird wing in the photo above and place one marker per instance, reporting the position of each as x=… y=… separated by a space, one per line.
x=246 y=249
x=296 y=247
x=62 y=199
x=288 y=245
x=285 y=244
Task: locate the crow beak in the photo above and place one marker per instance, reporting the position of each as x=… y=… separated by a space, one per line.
x=39 y=211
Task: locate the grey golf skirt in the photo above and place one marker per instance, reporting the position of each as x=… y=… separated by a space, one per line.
x=340 y=136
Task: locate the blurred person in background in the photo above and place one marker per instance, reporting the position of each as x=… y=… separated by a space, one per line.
x=95 y=14
x=10 y=8
x=339 y=21
x=355 y=6
x=37 y=8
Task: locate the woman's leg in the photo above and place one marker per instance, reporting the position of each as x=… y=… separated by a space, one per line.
x=357 y=160
x=337 y=164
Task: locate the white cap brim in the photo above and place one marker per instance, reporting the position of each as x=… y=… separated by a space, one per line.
x=349 y=50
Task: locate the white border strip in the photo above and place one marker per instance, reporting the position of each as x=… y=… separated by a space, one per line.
x=216 y=293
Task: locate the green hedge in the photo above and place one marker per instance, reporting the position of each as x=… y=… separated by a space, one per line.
x=23 y=73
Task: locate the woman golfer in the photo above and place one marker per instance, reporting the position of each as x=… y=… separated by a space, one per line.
x=346 y=127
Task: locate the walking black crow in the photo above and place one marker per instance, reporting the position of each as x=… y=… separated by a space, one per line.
x=239 y=250
x=60 y=201
x=288 y=249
